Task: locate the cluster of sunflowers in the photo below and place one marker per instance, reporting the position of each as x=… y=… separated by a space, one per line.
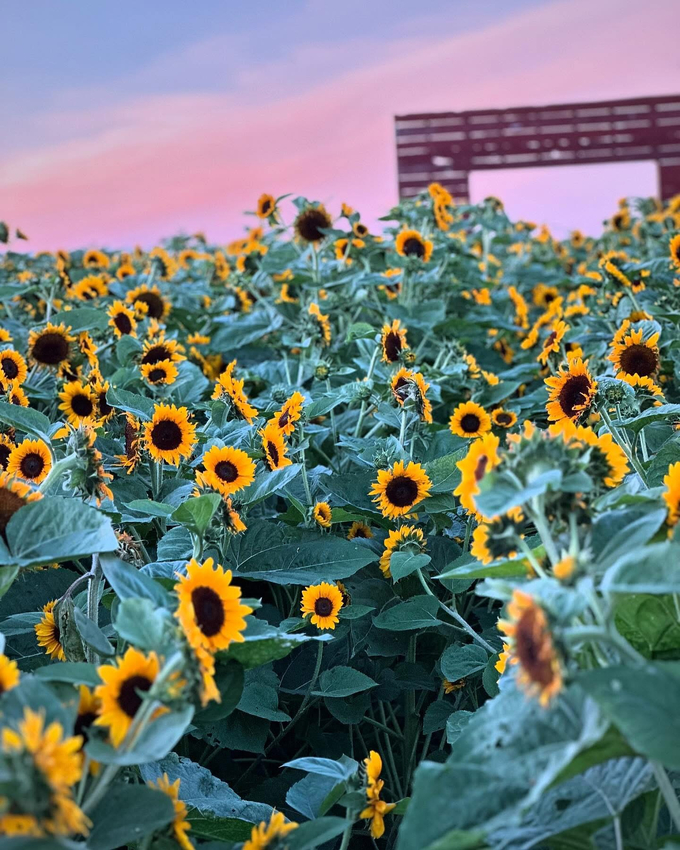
x=441 y=468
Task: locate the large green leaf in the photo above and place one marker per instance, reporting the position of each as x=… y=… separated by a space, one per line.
x=127 y=813
x=26 y=420
x=652 y=569
x=343 y=682
x=420 y=612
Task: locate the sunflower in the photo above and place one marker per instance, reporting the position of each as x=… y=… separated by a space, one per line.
x=399 y=489
x=311 y=222
x=410 y=243
x=95 y=260
x=274 y=447
x=121 y=694
x=6 y=446
x=497 y=537
x=565 y=568
x=633 y=355
x=482 y=457
x=393 y=341
x=16 y=394
x=180 y=825
x=150 y=296
x=359 y=529
x=169 y=436
x=122 y=319
x=322 y=323
x=89 y=288
x=266 y=206
x=408 y=384
x=88 y=710
x=9 y=674
x=79 y=403
x=162 y=373
x=47 y=633
x=289 y=414
x=406 y=538
x=51 y=346
x=125 y=270
x=322 y=514
x=159 y=348
x=531 y=647
x=13 y=366
x=228 y=387
x=210 y=610
x=470 y=419
x=671 y=494
x=100 y=388
x=232 y=518
x=375 y=809
x=322 y=601
x=503 y=418
x=13 y=496
x=131 y=458
x=570 y=392
x=608 y=460
x=227 y=469
x=674 y=248
x=31 y=460
x=164 y=266
x=551 y=344
x=266 y=834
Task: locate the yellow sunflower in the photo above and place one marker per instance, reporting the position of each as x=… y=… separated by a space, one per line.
x=94 y=259
x=125 y=681
x=210 y=610
x=322 y=514
x=268 y=834
x=266 y=206
x=290 y=413
x=9 y=674
x=180 y=825
x=89 y=288
x=125 y=270
x=13 y=366
x=671 y=494
x=231 y=389
x=150 y=296
x=169 y=436
x=497 y=537
x=674 y=248
x=608 y=460
x=88 y=710
x=407 y=538
x=551 y=344
x=227 y=469
x=50 y=346
x=503 y=418
x=633 y=355
x=47 y=633
x=15 y=394
x=570 y=392
x=122 y=319
x=311 y=222
x=161 y=373
x=322 y=602
x=470 y=419
x=6 y=446
x=322 y=322
x=79 y=403
x=359 y=529
x=482 y=457
x=408 y=384
x=13 y=496
x=393 y=341
x=274 y=447
x=531 y=647
x=375 y=809
x=30 y=460
x=410 y=243
x=399 y=489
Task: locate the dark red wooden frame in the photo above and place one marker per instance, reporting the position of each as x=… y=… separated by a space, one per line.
x=445 y=147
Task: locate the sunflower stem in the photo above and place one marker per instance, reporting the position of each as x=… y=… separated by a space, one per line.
x=303 y=458
x=529 y=555
x=93 y=587
x=634 y=462
x=402 y=428
x=369 y=375
x=543 y=530
x=667 y=792
x=60 y=467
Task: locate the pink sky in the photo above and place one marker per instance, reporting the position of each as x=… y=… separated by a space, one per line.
x=142 y=167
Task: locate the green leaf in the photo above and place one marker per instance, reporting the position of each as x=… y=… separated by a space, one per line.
x=499 y=493
x=218 y=829
x=339 y=769
x=25 y=419
x=267 y=483
x=57 y=529
x=229 y=681
x=159 y=737
x=420 y=612
x=360 y=330
x=264 y=643
x=128 y=582
x=658 y=468
x=617 y=533
x=74 y=672
x=315 y=833
x=260 y=700
x=83 y=319
x=196 y=513
x=148 y=506
x=91 y=634
x=126 y=814
x=443 y=472
x=457 y=662
x=469 y=567
x=652 y=414
x=402 y=564
x=132 y=403
x=649 y=623
x=652 y=569
x=141 y=622
x=7 y=576
x=343 y=682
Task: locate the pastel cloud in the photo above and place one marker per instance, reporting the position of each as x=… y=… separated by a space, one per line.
x=143 y=167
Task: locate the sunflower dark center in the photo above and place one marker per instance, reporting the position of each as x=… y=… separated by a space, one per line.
x=392 y=346
x=153 y=302
x=208 y=609
x=32 y=465
x=310 y=223
x=533 y=648
x=156 y=354
x=266 y=206
x=470 y=423
x=323 y=607
x=156 y=375
x=574 y=394
x=82 y=405
x=225 y=470
x=83 y=723
x=480 y=469
x=284 y=419
x=414 y=247
x=166 y=435
x=5 y=452
x=549 y=341
x=50 y=348
x=361 y=532
x=10 y=368
x=128 y=698
x=104 y=407
x=273 y=454
x=401 y=491
x=503 y=418
x=639 y=360
x=123 y=323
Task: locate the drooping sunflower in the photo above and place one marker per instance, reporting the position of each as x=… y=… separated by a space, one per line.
x=13 y=496
x=674 y=248
x=322 y=514
x=100 y=388
x=399 y=489
x=161 y=373
x=122 y=319
x=503 y=418
x=359 y=529
x=410 y=243
x=210 y=610
x=671 y=494
x=125 y=270
x=608 y=460
x=15 y=393
x=375 y=809
x=13 y=366
x=393 y=341
x=228 y=469
x=230 y=389
x=94 y=259
x=132 y=434
x=323 y=602
x=497 y=538
x=47 y=633
x=570 y=392
x=121 y=695
x=274 y=447
x=311 y=222
x=170 y=436
x=322 y=323
x=469 y=419
x=50 y=346
x=289 y=414
x=266 y=206
x=9 y=674
x=551 y=344
x=150 y=296
x=89 y=288
x=532 y=648
x=79 y=403
x=407 y=538
x=481 y=458
x=6 y=446
x=633 y=355
x=30 y=460
x=266 y=835
x=180 y=825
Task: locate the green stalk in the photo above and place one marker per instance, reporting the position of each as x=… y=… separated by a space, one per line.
x=96 y=576
x=667 y=792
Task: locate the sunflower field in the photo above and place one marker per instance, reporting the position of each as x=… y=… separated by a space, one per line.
x=340 y=539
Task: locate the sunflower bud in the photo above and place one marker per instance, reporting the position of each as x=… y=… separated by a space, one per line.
x=69 y=636
x=322 y=371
